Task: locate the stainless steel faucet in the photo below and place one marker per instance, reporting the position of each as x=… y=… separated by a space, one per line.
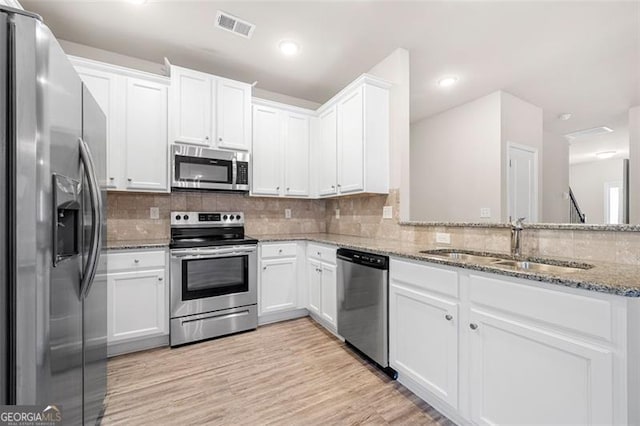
x=516 y=233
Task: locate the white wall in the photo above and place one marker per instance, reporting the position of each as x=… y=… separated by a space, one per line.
x=521 y=123
x=587 y=182
x=455 y=163
x=555 y=181
x=395 y=68
x=634 y=165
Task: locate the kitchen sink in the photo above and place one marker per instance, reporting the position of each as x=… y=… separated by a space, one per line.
x=503 y=261
x=523 y=265
x=462 y=256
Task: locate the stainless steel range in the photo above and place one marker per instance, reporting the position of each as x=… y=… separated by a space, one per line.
x=213 y=276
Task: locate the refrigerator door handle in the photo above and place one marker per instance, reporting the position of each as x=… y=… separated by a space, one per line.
x=96 y=222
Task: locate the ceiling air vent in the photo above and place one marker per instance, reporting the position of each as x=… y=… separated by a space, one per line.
x=235 y=25
x=594 y=131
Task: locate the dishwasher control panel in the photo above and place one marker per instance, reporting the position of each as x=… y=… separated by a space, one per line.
x=362 y=258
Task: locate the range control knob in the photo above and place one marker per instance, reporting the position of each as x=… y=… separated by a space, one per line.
x=178 y=217
x=225 y=217
x=186 y=217
x=238 y=217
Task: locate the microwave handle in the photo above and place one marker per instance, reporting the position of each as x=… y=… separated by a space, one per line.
x=234 y=171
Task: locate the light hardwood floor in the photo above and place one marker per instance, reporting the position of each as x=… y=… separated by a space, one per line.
x=289 y=373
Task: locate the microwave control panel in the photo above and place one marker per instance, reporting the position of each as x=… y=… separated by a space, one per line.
x=243 y=173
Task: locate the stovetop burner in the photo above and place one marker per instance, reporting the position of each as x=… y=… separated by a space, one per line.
x=208 y=229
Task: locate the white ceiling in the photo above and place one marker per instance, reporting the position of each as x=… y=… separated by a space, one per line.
x=573 y=56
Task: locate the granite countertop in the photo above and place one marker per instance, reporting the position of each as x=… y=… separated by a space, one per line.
x=612 y=278
x=137 y=244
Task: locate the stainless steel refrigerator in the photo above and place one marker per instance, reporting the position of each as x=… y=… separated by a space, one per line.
x=52 y=221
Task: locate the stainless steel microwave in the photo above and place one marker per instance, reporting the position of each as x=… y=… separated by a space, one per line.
x=196 y=168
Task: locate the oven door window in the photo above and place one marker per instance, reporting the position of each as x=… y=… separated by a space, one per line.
x=211 y=277
x=195 y=169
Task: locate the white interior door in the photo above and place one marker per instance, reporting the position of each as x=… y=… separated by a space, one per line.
x=522 y=182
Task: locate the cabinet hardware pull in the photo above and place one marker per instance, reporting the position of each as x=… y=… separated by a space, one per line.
x=129 y=179
x=448 y=317
x=264 y=268
x=280 y=251
x=220 y=139
x=277 y=188
x=206 y=138
x=112 y=178
x=136 y=260
x=319 y=254
x=288 y=189
x=473 y=326
x=160 y=278
x=333 y=187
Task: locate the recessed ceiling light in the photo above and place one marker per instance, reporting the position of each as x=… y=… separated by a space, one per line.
x=565 y=116
x=605 y=154
x=289 y=47
x=447 y=81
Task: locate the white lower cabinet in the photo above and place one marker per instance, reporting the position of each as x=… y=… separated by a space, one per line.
x=137 y=301
x=279 y=285
x=282 y=292
x=521 y=374
x=322 y=279
x=486 y=349
x=424 y=339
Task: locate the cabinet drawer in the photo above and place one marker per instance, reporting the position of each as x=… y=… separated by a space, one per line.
x=135 y=259
x=323 y=253
x=279 y=250
x=586 y=315
x=424 y=277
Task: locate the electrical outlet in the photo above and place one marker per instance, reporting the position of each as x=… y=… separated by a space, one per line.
x=154 y=213
x=287 y=213
x=485 y=212
x=443 y=238
x=387 y=212
x=337 y=213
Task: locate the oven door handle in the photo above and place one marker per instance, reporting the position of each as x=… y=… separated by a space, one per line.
x=210 y=254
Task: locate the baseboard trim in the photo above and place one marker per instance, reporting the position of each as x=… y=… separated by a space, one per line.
x=444 y=408
x=282 y=316
x=136 y=345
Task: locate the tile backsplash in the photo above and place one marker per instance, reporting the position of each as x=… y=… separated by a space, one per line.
x=360 y=215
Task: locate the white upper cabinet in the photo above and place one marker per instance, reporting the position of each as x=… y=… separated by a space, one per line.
x=146 y=135
x=104 y=87
x=327 y=153
x=234 y=114
x=135 y=104
x=266 y=151
x=210 y=111
x=192 y=108
x=281 y=138
x=353 y=141
x=296 y=152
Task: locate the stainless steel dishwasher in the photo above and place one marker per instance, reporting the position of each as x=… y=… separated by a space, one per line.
x=363 y=307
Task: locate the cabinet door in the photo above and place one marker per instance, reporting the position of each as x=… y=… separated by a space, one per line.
x=234 y=114
x=278 y=285
x=314 y=272
x=423 y=340
x=521 y=374
x=146 y=135
x=136 y=304
x=326 y=163
x=329 y=299
x=351 y=143
x=192 y=106
x=105 y=88
x=267 y=151
x=296 y=154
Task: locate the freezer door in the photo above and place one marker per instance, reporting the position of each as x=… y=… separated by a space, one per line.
x=48 y=175
x=4 y=243
x=94 y=128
